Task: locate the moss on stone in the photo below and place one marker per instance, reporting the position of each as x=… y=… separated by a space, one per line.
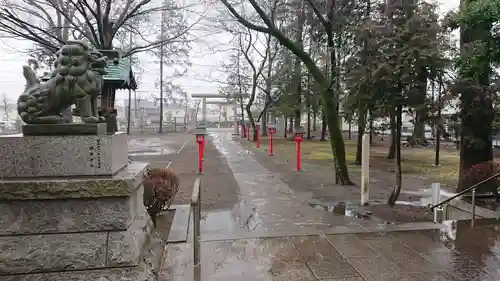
x=122 y=184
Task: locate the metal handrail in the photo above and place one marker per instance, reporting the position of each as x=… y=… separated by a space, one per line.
x=196 y=206
x=463 y=192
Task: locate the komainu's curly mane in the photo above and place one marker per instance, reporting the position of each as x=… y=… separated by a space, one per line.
x=77 y=79
x=160 y=187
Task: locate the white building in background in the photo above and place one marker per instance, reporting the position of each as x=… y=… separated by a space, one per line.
x=145 y=111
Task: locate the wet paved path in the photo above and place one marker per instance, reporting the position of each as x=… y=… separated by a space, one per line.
x=268 y=208
x=270 y=235
x=457 y=253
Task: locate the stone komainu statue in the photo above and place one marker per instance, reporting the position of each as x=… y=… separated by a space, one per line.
x=76 y=80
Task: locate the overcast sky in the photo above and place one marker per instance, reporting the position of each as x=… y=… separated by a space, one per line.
x=201 y=78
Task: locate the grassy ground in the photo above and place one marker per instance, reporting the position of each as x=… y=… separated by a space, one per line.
x=315 y=184
x=415 y=161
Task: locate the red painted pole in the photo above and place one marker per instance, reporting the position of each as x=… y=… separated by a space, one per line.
x=202 y=147
x=200 y=158
x=258 y=137
x=298 y=155
x=242 y=131
x=271 y=144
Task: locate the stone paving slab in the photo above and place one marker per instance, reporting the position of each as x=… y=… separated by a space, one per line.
x=381 y=256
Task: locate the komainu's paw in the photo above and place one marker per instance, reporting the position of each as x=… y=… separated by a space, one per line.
x=90 y=119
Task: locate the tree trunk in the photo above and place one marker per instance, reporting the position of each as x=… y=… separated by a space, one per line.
x=268 y=89
x=350 y=129
x=323 y=126
x=371 y=129
x=397 y=188
x=315 y=112
x=243 y=118
x=308 y=121
x=297 y=73
x=392 y=124
x=264 y=124
x=475 y=100
x=285 y=131
x=336 y=140
x=361 y=132
x=252 y=122
x=418 y=135
x=439 y=126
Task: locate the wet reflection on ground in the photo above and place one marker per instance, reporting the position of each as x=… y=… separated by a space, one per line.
x=457 y=253
x=267 y=206
x=149 y=146
x=270 y=235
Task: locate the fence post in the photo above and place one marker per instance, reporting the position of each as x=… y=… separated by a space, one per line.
x=435 y=198
x=196 y=207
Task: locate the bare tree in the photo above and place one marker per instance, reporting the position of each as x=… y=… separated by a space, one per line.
x=256 y=72
x=264 y=23
x=50 y=23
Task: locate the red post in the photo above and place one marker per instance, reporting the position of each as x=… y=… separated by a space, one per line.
x=202 y=147
x=271 y=132
x=271 y=144
x=257 y=139
x=242 y=131
x=248 y=132
x=298 y=139
x=199 y=140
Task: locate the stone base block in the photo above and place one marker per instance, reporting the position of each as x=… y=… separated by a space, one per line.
x=54 y=225
x=58 y=156
x=77 y=251
x=146 y=270
x=64 y=129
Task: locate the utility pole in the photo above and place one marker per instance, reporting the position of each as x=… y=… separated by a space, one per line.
x=6 y=108
x=136 y=107
x=162 y=35
x=129 y=88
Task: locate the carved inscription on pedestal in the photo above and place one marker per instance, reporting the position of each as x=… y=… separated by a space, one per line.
x=95 y=155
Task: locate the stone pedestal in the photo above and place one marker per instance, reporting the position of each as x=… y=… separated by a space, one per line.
x=76 y=229
x=69 y=129
x=59 y=156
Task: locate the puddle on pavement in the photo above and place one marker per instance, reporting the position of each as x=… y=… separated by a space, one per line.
x=149 y=147
x=347 y=209
x=378 y=211
x=403 y=212
x=241 y=217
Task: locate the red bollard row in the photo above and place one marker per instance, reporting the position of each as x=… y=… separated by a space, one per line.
x=299 y=137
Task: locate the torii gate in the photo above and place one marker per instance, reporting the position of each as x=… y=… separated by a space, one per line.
x=204 y=98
